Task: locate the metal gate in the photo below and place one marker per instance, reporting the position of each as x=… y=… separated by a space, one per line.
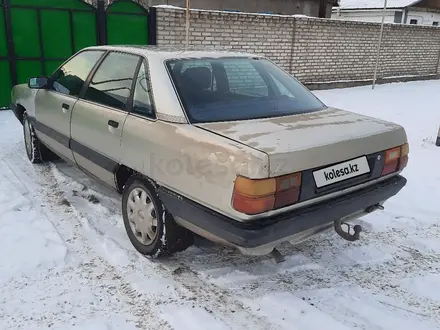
x=36 y=36
x=127 y=24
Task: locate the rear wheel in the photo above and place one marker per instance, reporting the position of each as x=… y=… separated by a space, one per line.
x=150 y=228
x=144 y=217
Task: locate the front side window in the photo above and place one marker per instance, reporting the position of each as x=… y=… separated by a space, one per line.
x=227 y=89
x=142 y=100
x=70 y=78
x=111 y=84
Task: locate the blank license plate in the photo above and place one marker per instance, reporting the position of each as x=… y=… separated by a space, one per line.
x=341 y=172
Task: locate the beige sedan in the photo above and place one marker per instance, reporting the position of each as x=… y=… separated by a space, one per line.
x=225 y=145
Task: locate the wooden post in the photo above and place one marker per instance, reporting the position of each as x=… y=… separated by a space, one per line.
x=152 y=26
x=188 y=13
x=379 y=45
x=322 y=11
x=102 y=23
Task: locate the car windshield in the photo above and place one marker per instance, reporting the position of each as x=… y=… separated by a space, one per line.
x=227 y=89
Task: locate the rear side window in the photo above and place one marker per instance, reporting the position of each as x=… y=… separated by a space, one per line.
x=142 y=104
x=70 y=78
x=111 y=84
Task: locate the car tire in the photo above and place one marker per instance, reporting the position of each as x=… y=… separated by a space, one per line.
x=39 y=152
x=144 y=217
x=31 y=142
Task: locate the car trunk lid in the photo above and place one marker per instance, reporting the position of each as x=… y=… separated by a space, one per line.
x=312 y=140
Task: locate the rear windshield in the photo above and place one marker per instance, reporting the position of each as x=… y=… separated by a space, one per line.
x=226 y=89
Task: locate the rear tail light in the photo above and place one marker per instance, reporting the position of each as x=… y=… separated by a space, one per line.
x=396 y=159
x=288 y=188
x=404 y=156
x=262 y=195
x=250 y=205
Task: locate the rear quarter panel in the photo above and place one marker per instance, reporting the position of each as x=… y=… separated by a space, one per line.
x=190 y=161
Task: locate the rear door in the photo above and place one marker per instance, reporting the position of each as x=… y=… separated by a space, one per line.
x=53 y=106
x=99 y=115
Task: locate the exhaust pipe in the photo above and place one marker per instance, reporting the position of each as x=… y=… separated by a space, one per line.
x=373 y=208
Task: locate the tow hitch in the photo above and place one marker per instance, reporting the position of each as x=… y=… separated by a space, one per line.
x=347 y=235
x=352 y=233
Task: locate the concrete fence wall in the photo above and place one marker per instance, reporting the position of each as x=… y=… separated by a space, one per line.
x=314 y=50
x=262 y=34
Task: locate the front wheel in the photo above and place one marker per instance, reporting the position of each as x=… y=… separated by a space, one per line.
x=31 y=142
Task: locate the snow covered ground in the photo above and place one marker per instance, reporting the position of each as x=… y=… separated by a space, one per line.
x=66 y=263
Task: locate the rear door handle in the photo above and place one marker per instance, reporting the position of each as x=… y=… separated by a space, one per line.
x=113 y=123
x=65 y=107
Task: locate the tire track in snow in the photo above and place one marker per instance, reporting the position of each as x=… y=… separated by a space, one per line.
x=190 y=288
x=326 y=271
x=324 y=267
x=380 y=274
x=131 y=302
x=38 y=183
x=80 y=233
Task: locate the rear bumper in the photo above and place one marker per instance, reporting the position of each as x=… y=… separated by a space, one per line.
x=262 y=235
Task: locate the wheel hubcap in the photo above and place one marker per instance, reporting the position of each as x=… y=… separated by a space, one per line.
x=142 y=216
x=27 y=137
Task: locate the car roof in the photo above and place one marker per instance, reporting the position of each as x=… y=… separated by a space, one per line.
x=174 y=52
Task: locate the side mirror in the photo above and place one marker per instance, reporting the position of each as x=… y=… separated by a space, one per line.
x=38 y=83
